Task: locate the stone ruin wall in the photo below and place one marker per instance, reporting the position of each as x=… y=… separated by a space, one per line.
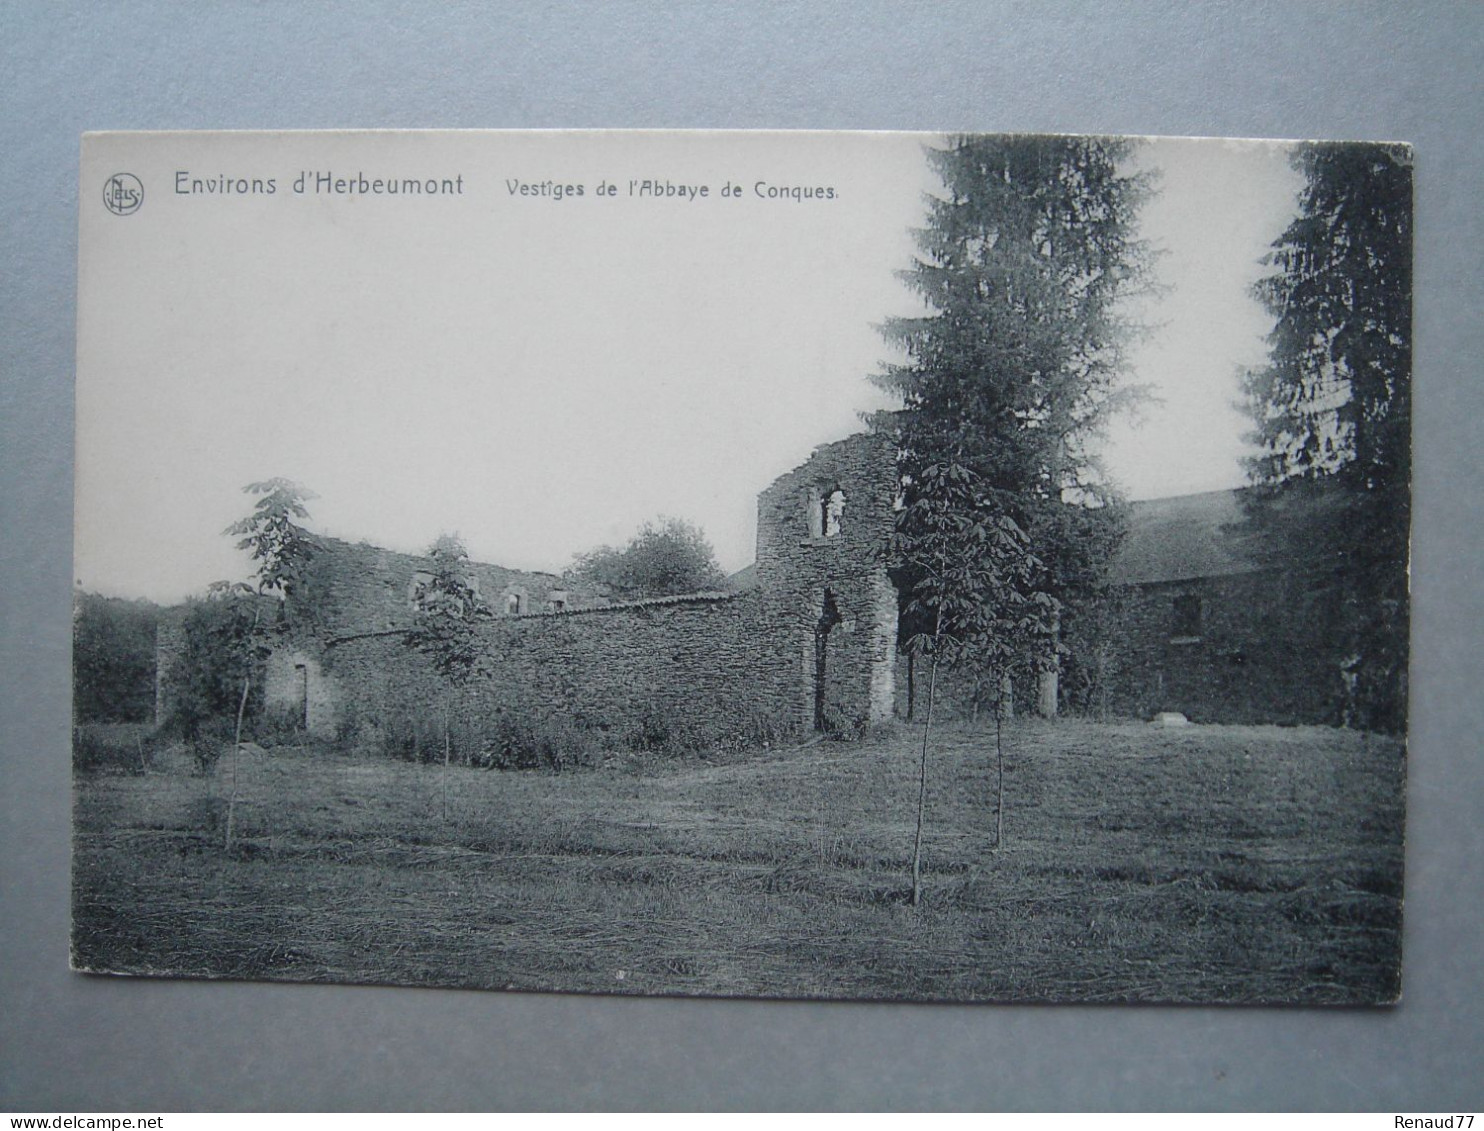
x=706 y=665
x=729 y=664
x=723 y=664
x=359 y=588
x=799 y=561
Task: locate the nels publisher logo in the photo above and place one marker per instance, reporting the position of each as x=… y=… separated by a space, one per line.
x=123 y=194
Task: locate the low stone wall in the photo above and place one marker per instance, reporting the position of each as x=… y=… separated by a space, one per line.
x=707 y=664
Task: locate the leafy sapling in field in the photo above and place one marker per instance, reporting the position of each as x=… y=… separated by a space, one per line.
x=283 y=550
x=449 y=614
x=973 y=595
x=281 y=547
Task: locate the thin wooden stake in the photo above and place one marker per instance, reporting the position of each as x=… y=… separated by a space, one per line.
x=999 y=807
x=927 y=727
x=236 y=748
x=445 y=763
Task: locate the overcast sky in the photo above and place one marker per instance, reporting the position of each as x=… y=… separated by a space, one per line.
x=542 y=375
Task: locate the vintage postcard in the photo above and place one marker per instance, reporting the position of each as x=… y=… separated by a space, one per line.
x=804 y=565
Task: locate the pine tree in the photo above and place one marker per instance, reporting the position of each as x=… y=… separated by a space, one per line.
x=1333 y=409
x=1017 y=365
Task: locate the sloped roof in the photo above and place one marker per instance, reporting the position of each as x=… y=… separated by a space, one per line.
x=1184 y=537
x=743 y=580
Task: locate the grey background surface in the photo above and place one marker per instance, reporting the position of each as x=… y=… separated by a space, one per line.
x=1406 y=72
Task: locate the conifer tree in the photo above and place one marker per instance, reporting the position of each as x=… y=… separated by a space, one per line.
x=1016 y=366
x=1333 y=410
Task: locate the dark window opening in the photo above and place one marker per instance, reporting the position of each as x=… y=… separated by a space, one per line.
x=1187 y=619
x=512 y=604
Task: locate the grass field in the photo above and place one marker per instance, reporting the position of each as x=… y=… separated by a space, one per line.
x=1237 y=864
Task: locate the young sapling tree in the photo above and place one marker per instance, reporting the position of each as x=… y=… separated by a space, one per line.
x=974 y=576
x=447 y=631
x=283 y=550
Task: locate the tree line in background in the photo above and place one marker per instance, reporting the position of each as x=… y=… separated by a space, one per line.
x=113 y=659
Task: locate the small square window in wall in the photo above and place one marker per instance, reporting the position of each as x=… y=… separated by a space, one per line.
x=1186 y=624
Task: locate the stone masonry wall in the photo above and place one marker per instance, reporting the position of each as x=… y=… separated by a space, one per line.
x=813 y=643
x=358 y=588
x=1261 y=654
x=808 y=567
x=703 y=663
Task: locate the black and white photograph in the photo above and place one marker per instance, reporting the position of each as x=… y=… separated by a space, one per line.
x=802 y=565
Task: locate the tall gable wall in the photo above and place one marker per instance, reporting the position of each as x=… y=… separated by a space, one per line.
x=808 y=575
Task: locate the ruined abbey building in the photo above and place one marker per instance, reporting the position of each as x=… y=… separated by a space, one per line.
x=809 y=642
x=807 y=638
